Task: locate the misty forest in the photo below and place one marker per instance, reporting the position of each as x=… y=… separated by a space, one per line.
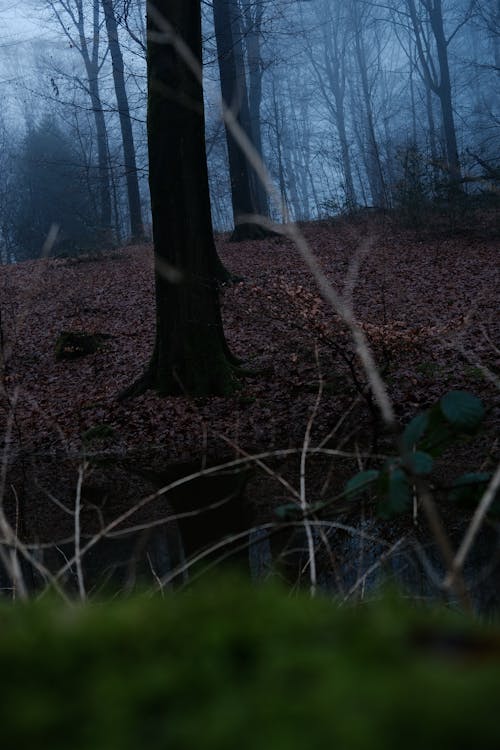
x=249 y=326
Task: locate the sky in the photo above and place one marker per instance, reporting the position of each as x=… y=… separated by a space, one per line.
x=19 y=22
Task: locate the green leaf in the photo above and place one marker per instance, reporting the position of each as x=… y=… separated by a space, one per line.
x=469 y=487
x=415 y=429
x=438 y=435
x=398 y=497
x=358 y=483
x=419 y=463
x=462 y=409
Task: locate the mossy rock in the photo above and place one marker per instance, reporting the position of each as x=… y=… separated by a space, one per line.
x=228 y=666
x=74 y=344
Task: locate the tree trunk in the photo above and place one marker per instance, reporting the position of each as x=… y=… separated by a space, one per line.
x=432 y=136
x=374 y=167
x=102 y=156
x=234 y=94
x=444 y=93
x=253 y=25
x=350 y=193
x=134 y=200
x=285 y=214
x=190 y=353
x=91 y=61
x=437 y=78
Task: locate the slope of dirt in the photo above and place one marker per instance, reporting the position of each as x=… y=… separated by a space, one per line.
x=429 y=309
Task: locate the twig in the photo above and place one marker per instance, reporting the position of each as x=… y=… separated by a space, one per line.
x=303 y=492
x=430 y=510
x=457 y=564
x=78 y=553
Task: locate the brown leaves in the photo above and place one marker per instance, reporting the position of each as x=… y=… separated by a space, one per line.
x=411 y=299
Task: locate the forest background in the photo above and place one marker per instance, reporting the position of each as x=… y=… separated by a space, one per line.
x=378 y=125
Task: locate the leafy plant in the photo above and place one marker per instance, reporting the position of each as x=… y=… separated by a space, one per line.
x=425 y=437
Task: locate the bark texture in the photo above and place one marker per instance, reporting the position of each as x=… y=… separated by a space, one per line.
x=190 y=354
x=235 y=96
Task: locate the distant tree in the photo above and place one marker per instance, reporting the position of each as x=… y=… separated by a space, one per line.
x=330 y=66
x=50 y=188
x=432 y=43
x=8 y=199
x=488 y=20
x=366 y=63
x=252 y=14
x=244 y=193
x=190 y=352
x=85 y=37
x=134 y=200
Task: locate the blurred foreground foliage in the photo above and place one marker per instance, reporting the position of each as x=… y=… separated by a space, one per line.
x=229 y=665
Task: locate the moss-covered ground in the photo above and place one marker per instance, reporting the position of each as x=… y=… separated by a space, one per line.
x=228 y=666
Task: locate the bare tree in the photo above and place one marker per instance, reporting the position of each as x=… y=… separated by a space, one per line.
x=86 y=38
x=330 y=67
x=134 y=199
x=359 y=19
x=432 y=44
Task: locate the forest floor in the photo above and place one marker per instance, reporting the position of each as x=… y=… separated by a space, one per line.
x=427 y=302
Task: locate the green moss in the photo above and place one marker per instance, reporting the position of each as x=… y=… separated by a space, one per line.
x=227 y=666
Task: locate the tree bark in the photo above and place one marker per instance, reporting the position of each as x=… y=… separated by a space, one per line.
x=234 y=94
x=134 y=199
x=252 y=28
x=91 y=61
x=190 y=355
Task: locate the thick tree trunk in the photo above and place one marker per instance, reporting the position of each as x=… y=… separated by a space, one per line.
x=190 y=354
x=134 y=200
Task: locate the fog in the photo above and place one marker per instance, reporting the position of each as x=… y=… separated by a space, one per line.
x=392 y=106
